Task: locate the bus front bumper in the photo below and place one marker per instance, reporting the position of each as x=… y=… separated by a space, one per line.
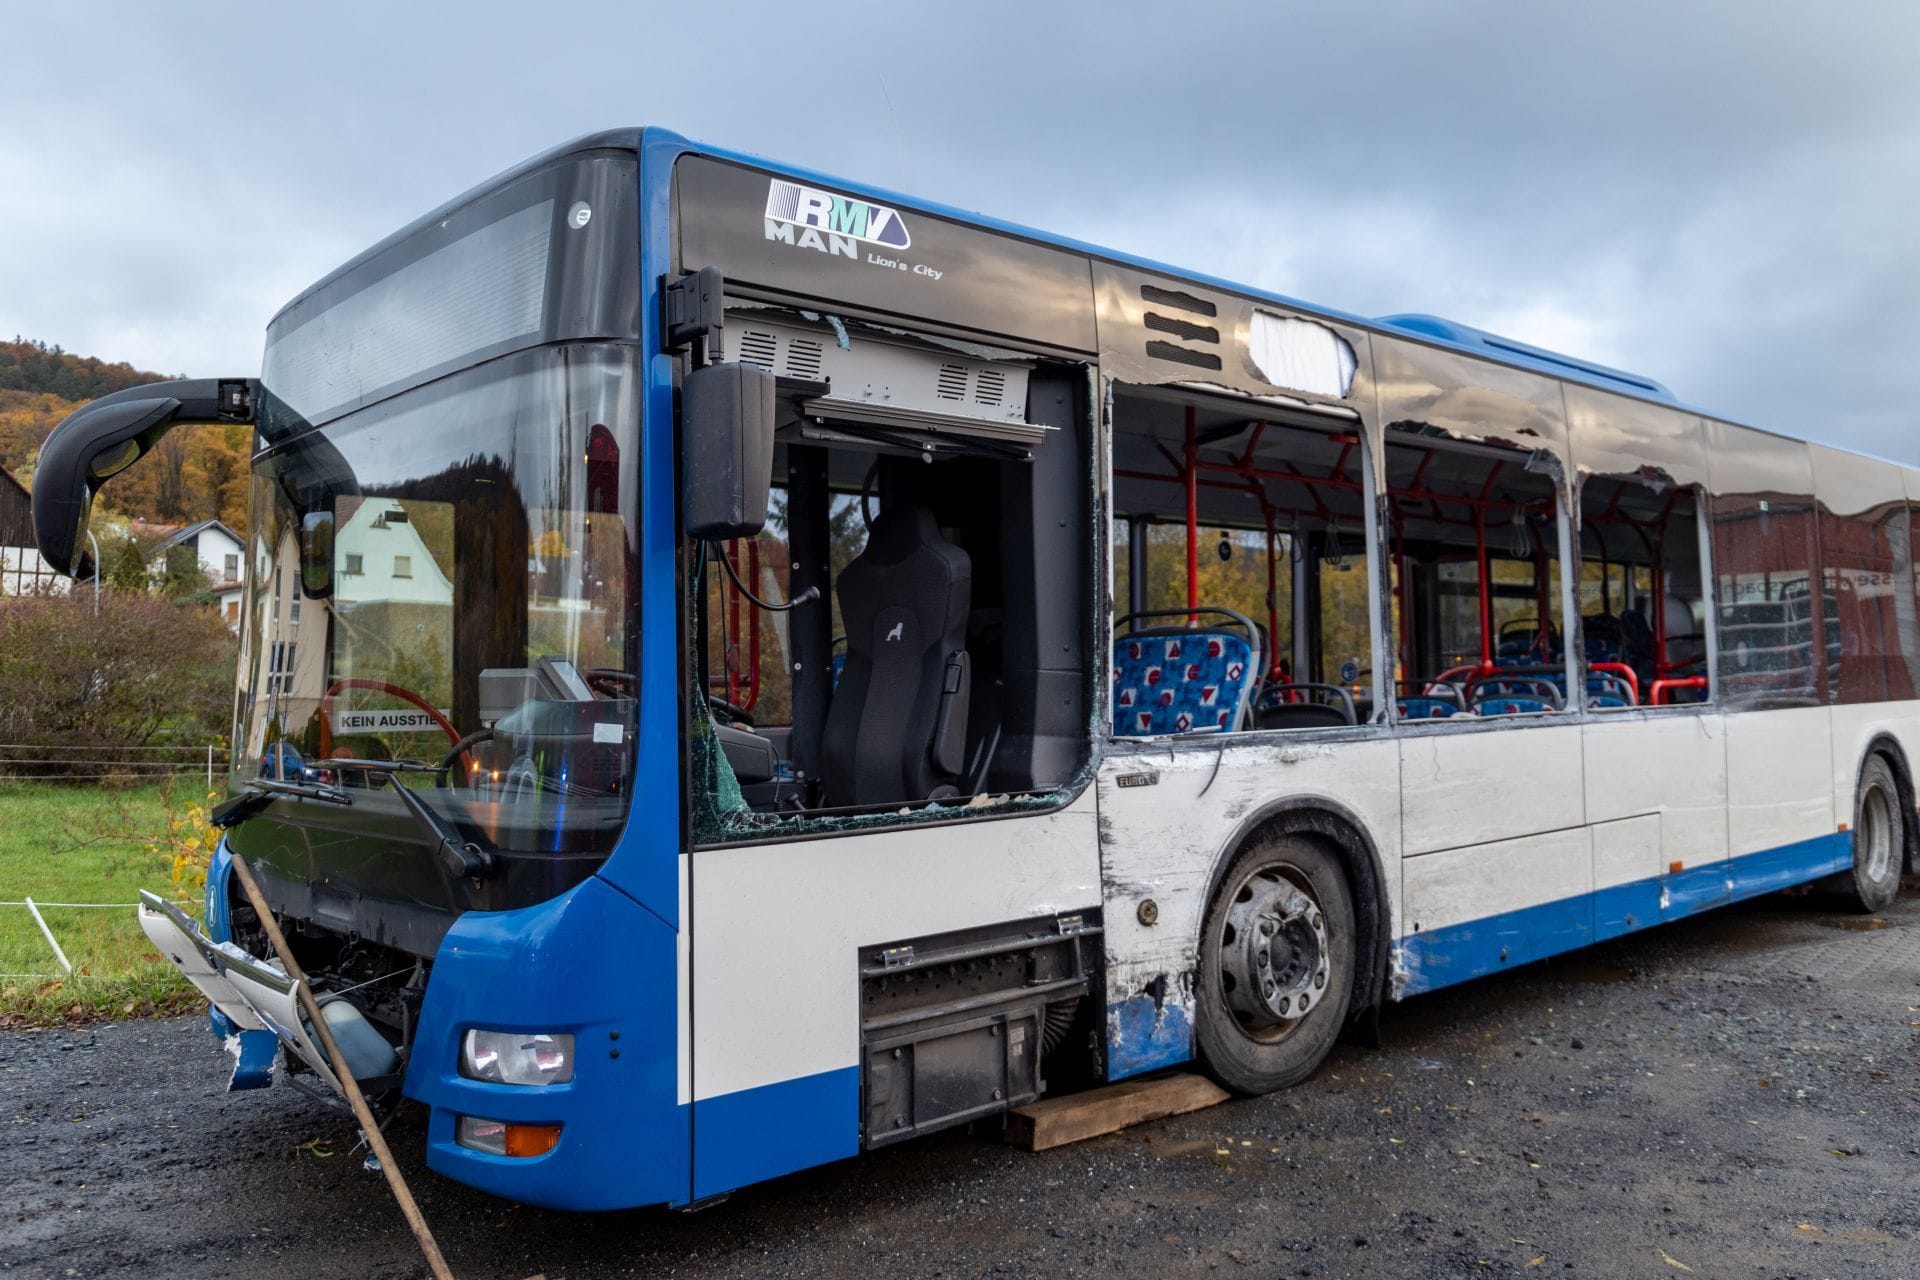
x=591 y=964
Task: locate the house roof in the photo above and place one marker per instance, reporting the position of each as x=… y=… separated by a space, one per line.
x=173 y=534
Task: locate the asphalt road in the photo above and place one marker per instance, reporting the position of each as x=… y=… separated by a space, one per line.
x=1737 y=1095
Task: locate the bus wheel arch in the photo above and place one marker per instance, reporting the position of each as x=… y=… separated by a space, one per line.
x=1896 y=759
x=1882 y=829
x=1303 y=839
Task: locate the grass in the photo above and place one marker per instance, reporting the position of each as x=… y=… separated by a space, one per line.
x=84 y=844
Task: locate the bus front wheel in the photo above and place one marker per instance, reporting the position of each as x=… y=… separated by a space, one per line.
x=1879 y=840
x=1276 y=965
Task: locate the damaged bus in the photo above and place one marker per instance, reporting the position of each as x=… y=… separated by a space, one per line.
x=741 y=669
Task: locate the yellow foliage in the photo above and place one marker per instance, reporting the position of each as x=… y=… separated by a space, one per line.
x=190 y=841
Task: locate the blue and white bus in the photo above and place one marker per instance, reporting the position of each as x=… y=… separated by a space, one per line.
x=741 y=668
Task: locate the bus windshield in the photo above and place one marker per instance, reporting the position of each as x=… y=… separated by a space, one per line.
x=444 y=580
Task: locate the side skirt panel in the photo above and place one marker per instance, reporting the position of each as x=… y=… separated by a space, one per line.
x=1437 y=958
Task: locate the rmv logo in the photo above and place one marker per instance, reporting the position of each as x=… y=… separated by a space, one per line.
x=799 y=215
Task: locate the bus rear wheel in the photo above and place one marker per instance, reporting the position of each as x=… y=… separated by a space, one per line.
x=1276 y=965
x=1879 y=840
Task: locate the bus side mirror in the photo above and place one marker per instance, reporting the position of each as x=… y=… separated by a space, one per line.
x=726 y=442
x=316 y=554
x=101 y=439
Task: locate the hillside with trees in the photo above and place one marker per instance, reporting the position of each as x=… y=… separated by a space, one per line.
x=196 y=473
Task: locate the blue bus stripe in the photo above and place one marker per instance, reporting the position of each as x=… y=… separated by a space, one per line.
x=1440 y=957
x=755 y=1134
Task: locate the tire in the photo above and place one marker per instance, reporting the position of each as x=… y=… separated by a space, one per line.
x=1879 y=840
x=1295 y=892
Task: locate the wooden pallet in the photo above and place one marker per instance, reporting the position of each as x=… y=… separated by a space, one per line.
x=1054 y=1122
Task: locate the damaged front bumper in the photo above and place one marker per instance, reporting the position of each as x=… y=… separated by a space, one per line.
x=590 y=962
x=255 y=997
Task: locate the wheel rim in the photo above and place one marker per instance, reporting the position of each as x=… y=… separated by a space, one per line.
x=1875 y=833
x=1276 y=965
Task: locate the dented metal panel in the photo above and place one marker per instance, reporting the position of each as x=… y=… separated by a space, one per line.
x=1171 y=812
x=1460 y=787
x=1422 y=388
x=1617 y=436
x=1669 y=767
x=1159 y=331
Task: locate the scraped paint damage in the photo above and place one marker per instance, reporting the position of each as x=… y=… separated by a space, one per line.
x=253 y=1054
x=1152 y=1028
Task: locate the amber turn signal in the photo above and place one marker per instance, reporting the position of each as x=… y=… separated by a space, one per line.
x=500 y=1138
x=531 y=1139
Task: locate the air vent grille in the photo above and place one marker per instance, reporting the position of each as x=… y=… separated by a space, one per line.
x=758 y=347
x=990 y=387
x=803 y=359
x=1188 y=331
x=952 y=384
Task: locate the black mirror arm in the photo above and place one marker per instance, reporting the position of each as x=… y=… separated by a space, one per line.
x=104 y=437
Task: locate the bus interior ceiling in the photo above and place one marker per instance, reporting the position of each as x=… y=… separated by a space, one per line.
x=944 y=657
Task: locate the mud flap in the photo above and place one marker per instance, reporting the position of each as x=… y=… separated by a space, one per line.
x=253 y=995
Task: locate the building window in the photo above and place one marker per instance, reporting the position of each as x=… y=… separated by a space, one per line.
x=403 y=566
x=233 y=611
x=232 y=571
x=280 y=668
x=356 y=563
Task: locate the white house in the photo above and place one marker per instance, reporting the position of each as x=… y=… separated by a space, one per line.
x=379 y=557
x=219 y=549
x=22 y=571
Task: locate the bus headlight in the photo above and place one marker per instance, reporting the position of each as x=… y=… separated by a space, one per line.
x=517 y=1057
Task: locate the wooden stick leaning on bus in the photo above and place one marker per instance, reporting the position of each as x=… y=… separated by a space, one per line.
x=436 y=1261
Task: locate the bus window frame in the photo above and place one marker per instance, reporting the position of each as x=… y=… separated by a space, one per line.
x=1710 y=635
x=1370 y=486
x=1569 y=605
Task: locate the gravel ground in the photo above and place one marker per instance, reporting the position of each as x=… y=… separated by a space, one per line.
x=1735 y=1095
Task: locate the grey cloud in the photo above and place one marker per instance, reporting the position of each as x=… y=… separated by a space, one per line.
x=1716 y=194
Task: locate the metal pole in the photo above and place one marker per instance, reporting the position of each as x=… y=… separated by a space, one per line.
x=1191 y=456
x=1486 y=589
x=95 y=543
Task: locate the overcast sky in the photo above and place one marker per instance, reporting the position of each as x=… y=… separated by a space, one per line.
x=1722 y=196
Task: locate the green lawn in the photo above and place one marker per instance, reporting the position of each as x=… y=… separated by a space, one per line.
x=83 y=844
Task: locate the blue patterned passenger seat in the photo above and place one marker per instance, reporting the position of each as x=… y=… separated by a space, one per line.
x=1169 y=680
x=1608 y=692
x=1510 y=695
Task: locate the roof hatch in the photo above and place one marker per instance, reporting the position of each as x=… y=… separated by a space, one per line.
x=1516 y=352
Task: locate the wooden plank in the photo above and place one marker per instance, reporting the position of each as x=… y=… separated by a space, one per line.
x=1054 y=1122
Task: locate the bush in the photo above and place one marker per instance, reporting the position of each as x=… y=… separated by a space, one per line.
x=73 y=684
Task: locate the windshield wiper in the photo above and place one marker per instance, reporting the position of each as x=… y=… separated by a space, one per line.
x=262 y=792
x=461 y=856
x=383 y=766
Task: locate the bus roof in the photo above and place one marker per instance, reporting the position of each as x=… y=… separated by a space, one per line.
x=1429 y=329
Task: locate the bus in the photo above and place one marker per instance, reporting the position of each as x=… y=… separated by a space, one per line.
x=741 y=668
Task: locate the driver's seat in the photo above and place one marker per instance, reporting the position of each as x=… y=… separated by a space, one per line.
x=897 y=729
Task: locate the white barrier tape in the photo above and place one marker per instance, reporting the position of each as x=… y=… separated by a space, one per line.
x=29 y=902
